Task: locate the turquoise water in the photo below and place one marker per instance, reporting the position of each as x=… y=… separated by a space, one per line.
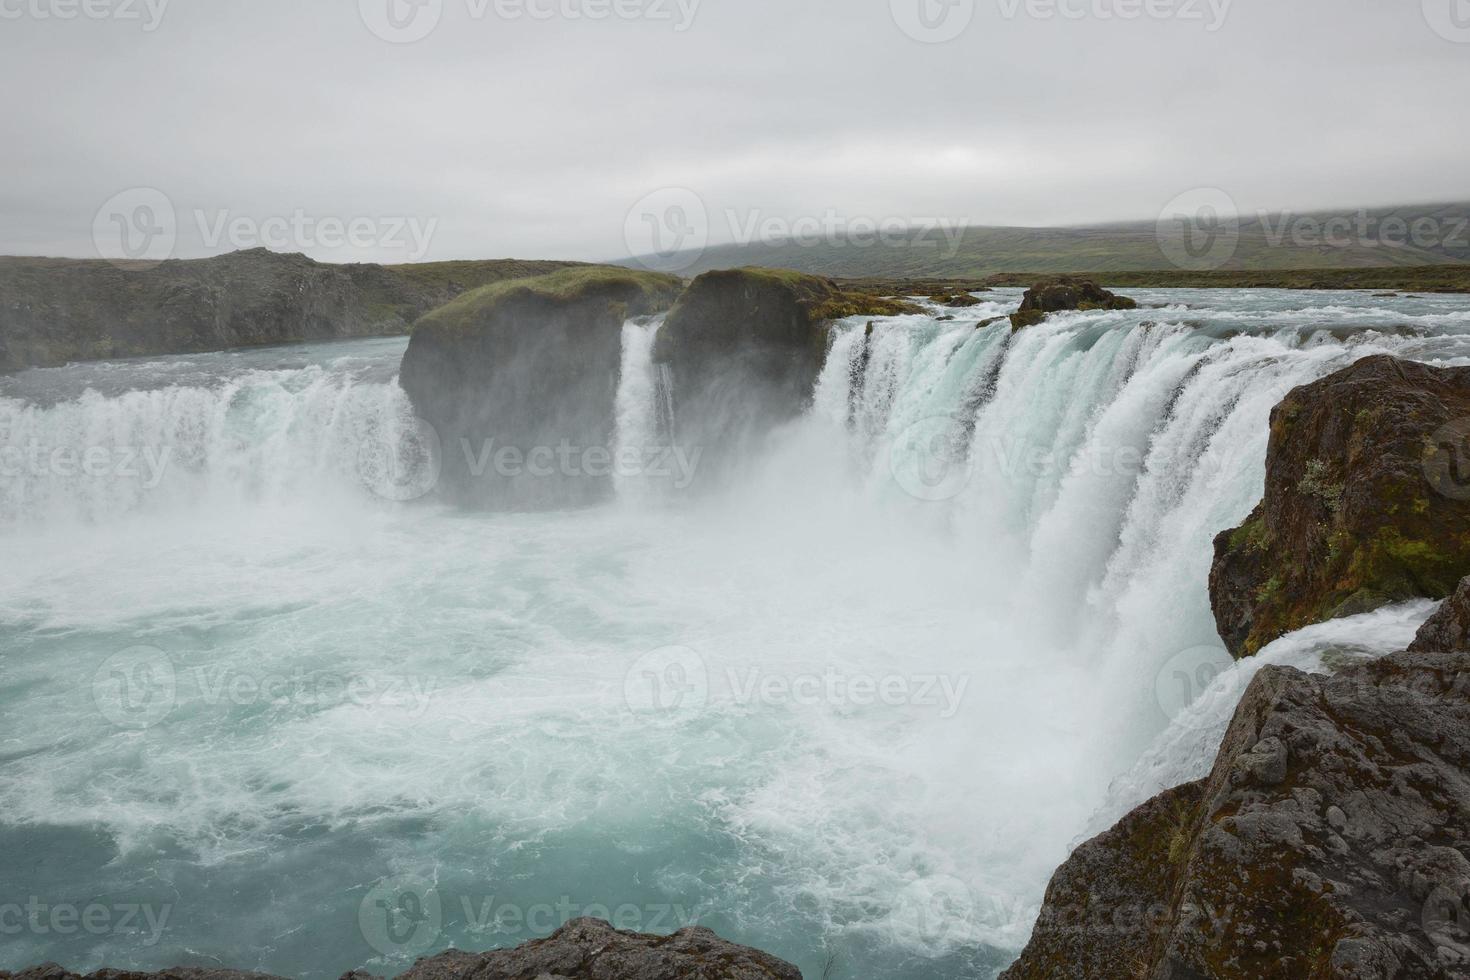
x=255 y=711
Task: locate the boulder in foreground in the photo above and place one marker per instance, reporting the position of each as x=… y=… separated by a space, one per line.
x=1365 y=503
x=590 y=949
x=1329 y=840
x=583 y=949
x=1065 y=293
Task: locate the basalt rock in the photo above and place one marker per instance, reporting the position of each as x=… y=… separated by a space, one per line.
x=1329 y=840
x=50 y=971
x=518 y=383
x=1065 y=293
x=742 y=350
x=590 y=949
x=1367 y=502
x=53 y=311
x=583 y=949
x=1449 y=628
x=956 y=300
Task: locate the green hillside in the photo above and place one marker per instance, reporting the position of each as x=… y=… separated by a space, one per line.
x=1430 y=235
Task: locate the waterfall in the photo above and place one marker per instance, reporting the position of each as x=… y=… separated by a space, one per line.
x=267 y=437
x=642 y=394
x=946 y=620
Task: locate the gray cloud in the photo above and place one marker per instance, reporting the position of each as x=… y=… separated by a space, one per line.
x=534 y=137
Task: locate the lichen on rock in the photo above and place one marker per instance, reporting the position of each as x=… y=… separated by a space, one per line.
x=1363 y=503
x=1328 y=841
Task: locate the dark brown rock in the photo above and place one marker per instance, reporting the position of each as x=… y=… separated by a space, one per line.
x=1329 y=840
x=50 y=971
x=1065 y=293
x=1367 y=502
x=526 y=367
x=590 y=949
x=1448 y=630
x=956 y=300
x=743 y=348
x=583 y=949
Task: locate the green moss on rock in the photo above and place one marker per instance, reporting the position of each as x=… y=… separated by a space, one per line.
x=1357 y=513
x=643 y=291
x=1065 y=293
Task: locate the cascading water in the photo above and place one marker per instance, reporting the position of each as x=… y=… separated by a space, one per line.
x=954 y=618
x=259 y=437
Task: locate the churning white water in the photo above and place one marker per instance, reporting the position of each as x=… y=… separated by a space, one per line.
x=853 y=709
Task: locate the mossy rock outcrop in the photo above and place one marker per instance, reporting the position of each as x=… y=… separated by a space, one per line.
x=1366 y=503
x=519 y=381
x=743 y=349
x=53 y=311
x=1065 y=293
x=1327 y=841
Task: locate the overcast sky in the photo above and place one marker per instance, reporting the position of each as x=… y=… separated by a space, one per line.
x=534 y=128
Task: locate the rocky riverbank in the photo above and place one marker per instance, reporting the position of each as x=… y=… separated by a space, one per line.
x=1329 y=840
x=1332 y=837
x=583 y=949
x=53 y=311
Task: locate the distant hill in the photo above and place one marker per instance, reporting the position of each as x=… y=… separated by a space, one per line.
x=1368 y=238
x=57 y=310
